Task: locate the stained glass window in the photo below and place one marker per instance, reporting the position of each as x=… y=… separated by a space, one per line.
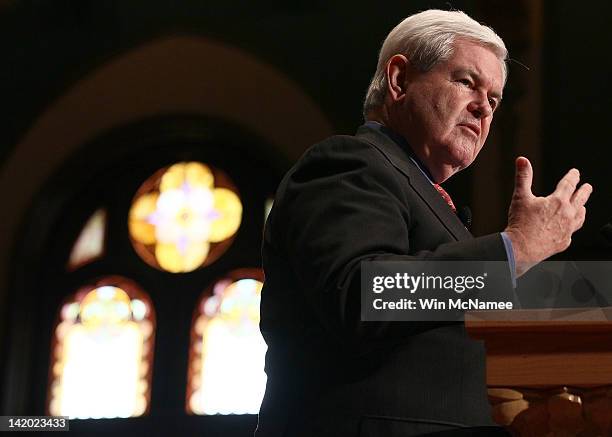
x=90 y=242
x=184 y=217
x=226 y=369
x=102 y=352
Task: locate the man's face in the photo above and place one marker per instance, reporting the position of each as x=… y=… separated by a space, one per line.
x=446 y=112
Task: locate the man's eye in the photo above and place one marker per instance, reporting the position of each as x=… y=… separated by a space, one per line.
x=465 y=82
x=493 y=103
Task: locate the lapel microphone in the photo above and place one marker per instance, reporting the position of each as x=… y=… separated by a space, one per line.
x=465 y=215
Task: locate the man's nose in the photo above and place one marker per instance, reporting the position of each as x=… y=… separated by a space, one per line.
x=480 y=107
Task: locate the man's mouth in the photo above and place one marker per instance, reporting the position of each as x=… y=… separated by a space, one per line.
x=473 y=127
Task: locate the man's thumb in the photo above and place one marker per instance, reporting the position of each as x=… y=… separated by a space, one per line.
x=523 y=176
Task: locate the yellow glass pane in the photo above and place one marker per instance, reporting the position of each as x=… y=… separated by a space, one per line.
x=198 y=175
x=144 y=206
x=142 y=232
x=194 y=255
x=171 y=259
x=173 y=178
x=228 y=206
x=140 y=229
x=105 y=305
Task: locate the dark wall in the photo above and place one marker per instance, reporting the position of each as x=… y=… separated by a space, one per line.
x=328 y=47
x=576 y=107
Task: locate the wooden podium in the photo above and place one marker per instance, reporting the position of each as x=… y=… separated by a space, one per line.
x=549 y=372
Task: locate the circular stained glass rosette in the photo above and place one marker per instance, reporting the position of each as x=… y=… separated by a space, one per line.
x=184 y=217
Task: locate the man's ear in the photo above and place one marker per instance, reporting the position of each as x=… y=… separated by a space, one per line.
x=397 y=69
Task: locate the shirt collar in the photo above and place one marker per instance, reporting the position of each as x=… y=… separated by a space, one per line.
x=400 y=141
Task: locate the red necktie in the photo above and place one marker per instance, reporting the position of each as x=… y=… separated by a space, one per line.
x=446 y=197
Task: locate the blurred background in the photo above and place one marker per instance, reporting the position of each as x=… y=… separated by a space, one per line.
x=141 y=144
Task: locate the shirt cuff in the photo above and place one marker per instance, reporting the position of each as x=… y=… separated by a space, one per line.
x=510 y=254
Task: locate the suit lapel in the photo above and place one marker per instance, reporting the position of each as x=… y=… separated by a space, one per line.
x=399 y=158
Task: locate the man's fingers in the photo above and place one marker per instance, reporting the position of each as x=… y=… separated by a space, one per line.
x=523 y=177
x=567 y=184
x=581 y=195
x=580 y=218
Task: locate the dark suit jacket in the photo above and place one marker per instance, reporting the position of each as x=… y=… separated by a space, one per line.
x=350 y=199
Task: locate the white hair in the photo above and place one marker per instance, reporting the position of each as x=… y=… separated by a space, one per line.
x=427 y=38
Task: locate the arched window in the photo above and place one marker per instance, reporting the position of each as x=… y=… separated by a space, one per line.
x=226 y=366
x=102 y=352
x=89 y=246
x=162 y=210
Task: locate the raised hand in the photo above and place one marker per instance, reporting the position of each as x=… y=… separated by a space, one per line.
x=540 y=227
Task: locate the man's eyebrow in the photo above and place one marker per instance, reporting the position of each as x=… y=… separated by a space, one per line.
x=476 y=78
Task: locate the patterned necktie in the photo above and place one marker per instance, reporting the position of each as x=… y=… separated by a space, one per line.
x=446 y=197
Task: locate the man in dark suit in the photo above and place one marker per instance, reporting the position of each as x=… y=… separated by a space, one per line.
x=375 y=196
